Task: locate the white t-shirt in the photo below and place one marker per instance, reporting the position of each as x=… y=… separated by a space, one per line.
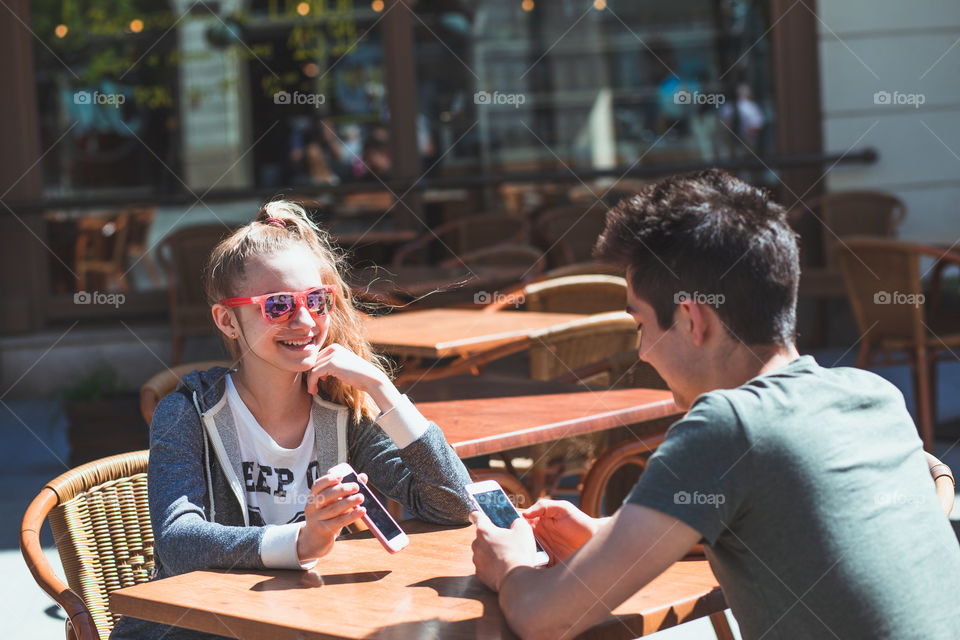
x=276 y=480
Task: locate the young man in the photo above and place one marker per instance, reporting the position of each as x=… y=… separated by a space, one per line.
x=808 y=486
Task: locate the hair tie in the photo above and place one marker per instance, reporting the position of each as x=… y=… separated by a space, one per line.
x=275 y=222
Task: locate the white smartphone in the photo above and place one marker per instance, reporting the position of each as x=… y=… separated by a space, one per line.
x=489 y=497
x=377 y=518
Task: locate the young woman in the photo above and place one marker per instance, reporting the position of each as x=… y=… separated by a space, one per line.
x=239 y=458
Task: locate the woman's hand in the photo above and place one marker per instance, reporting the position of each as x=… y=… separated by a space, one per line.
x=341 y=363
x=331 y=506
x=560 y=527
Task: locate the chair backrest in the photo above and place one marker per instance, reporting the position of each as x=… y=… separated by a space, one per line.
x=101 y=248
x=183 y=255
x=166 y=381
x=568 y=233
x=590 y=267
x=883 y=284
x=101 y=522
x=857 y=213
x=464 y=235
x=559 y=350
x=502 y=256
x=577 y=294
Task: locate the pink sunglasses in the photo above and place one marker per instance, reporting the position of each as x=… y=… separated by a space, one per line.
x=281 y=306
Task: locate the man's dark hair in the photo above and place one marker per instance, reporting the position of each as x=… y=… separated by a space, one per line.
x=709 y=234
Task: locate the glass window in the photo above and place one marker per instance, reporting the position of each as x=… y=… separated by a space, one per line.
x=517 y=85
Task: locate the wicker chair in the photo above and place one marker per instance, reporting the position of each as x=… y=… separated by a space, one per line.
x=842 y=215
x=586 y=268
x=500 y=256
x=100 y=520
x=557 y=351
x=463 y=235
x=875 y=271
x=182 y=255
x=154 y=389
x=569 y=233
x=570 y=294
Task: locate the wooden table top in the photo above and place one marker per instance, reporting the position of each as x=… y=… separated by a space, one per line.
x=440 y=333
x=428 y=590
x=481 y=426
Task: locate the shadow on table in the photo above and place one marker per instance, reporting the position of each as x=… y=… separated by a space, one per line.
x=458 y=587
x=312 y=580
x=490 y=624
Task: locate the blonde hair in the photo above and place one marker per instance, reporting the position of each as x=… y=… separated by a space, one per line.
x=266 y=236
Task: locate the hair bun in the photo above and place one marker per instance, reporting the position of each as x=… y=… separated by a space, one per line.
x=275 y=222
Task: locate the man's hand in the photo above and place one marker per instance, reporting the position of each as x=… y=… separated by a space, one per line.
x=497 y=551
x=560 y=527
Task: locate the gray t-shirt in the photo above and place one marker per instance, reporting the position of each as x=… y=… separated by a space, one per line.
x=811 y=490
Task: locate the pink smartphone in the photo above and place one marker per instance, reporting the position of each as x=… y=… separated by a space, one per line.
x=377 y=518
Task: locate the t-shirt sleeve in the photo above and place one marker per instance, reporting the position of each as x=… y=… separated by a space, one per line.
x=699 y=474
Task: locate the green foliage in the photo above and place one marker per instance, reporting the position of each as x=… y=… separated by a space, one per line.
x=101 y=381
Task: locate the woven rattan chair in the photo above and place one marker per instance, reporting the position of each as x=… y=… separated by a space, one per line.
x=586 y=268
x=463 y=235
x=501 y=256
x=154 y=389
x=183 y=255
x=884 y=286
x=569 y=233
x=570 y=294
x=837 y=216
x=101 y=524
x=556 y=351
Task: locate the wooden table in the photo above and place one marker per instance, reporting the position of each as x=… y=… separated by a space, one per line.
x=441 y=333
x=481 y=426
x=428 y=590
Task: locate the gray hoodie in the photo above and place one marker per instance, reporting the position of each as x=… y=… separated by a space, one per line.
x=197 y=505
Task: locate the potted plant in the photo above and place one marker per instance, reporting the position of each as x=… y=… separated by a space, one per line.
x=102 y=421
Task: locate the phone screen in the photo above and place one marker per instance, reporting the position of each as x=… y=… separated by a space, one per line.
x=499 y=509
x=381 y=519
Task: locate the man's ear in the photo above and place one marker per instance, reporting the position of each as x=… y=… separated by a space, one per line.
x=226 y=320
x=698 y=322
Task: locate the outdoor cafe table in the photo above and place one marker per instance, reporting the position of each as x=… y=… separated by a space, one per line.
x=427 y=590
x=552 y=411
x=442 y=333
